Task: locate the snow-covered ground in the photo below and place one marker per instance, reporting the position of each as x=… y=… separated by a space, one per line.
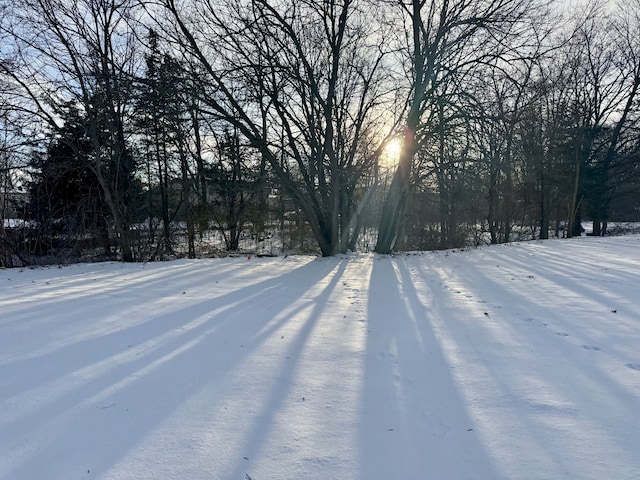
x=519 y=361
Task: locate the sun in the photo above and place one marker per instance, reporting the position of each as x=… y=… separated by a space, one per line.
x=391 y=153
x=393 y=147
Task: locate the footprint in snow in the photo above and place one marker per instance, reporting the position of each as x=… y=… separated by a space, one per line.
x=633 y=366
x=562 y=334
x=590 y=347
x=537 y=322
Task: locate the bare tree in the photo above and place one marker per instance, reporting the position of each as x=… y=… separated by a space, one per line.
x=508 y=134
x=624 y=28
x=301 y=81
x=604 y=79
x=81 y=52
x=10 y=153
x=445 y=39
x=16 y=139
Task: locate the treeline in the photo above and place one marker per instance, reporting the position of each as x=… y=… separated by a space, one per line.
x=149 y=130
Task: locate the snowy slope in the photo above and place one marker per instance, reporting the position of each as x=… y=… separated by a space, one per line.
x=507 y=362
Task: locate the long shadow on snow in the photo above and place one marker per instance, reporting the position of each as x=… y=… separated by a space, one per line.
x=259 y=431
x=565 y=376
x=128 y=284
x=615 y=289
x=546 y=334
x=59 y=362
x=415 y=423
x=152 y=379
x=612 y=267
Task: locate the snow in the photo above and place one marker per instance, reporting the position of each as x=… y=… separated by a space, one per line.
x=513 y=361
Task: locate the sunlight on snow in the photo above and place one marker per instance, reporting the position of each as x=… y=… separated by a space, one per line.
x=491 y=363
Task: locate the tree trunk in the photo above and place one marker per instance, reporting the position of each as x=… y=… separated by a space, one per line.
x=573 y=199
x=395 y=202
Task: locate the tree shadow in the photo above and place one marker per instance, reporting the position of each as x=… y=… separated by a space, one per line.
x=92 y=401
x=280 y=393
x=414 y=422
x=519 y=355
x=404 y=384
